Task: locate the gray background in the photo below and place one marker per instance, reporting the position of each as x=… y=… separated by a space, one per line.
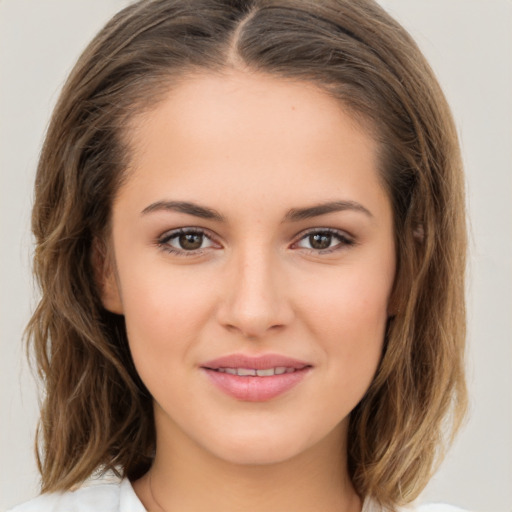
x=469 y=44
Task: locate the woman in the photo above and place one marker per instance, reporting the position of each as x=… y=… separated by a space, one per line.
x=250 y=244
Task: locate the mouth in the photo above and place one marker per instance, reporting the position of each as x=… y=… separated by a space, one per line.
x=255 y=379
x=253 y=372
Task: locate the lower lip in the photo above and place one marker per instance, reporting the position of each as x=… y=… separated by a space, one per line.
x=256 y=389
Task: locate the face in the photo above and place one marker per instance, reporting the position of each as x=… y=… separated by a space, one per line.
x=253 y=262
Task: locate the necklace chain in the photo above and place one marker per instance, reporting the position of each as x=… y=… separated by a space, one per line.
x=162 y=509
x=152 y=494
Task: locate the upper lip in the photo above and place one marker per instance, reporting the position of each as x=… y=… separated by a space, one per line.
x=261 y=362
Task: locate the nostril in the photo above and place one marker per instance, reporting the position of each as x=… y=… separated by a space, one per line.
x=255 y=332
x=253 y=309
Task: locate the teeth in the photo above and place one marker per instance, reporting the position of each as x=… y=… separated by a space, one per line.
x=246 y=371
x=265 y=373
x=251 y=372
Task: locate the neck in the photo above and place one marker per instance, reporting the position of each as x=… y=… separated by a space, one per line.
x=185 y=477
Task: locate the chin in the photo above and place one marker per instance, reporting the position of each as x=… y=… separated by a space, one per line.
x=263 y=446
x=259 y=452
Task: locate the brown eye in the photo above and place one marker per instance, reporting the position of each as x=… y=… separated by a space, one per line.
x=320 y=241
x=185 y=241
x=325 y=241
x=190 y=241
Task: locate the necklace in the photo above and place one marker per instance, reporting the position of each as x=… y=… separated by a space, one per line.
x=365 y=505
x=153 y=496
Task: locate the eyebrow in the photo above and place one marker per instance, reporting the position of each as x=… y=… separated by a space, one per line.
x=185 y=207
x=293 y=215
x=297 y=214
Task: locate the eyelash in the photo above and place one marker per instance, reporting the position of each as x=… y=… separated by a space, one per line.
x=163 y=241
x=343 y=239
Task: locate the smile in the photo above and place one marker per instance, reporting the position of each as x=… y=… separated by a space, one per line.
x=253 y=372
x=255 y=379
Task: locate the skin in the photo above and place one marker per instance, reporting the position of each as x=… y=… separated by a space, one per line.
x=252 y=147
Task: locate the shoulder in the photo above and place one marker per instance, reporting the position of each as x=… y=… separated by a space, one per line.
x=438 y=507
x=371 y=506
x=104 y=497
x=109 y=497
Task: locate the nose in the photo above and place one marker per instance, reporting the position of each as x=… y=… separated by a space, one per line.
x=255 y=299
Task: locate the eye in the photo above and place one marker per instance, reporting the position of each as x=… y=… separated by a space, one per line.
x=185 y=241
x=324 y=240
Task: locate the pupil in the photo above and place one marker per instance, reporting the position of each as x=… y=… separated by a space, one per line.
x=191 y=241
x=320 y=241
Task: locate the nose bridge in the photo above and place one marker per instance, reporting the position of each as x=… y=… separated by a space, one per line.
x=255 y=298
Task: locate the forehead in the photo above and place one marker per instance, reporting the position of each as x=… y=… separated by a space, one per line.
x=252 y=132
x=229 y=99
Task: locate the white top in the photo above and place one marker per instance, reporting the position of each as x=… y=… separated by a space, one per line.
x=120 y=497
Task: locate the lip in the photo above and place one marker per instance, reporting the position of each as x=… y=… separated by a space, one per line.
x=261 y=362
x=256 y=388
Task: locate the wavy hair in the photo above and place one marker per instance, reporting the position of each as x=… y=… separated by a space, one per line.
x=96 y=414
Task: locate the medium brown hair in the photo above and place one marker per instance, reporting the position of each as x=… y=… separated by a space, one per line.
x=97 y=414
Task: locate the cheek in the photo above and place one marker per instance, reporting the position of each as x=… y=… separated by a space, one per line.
x=164 y=310
x=349 y=318
x=350 y=304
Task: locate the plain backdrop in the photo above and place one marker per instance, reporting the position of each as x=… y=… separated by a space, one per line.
x=469 y=44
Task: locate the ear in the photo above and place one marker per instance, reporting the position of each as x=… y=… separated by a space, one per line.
x=393 y=305
x=105 y=278
x=419 y=233
x=395 y=299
